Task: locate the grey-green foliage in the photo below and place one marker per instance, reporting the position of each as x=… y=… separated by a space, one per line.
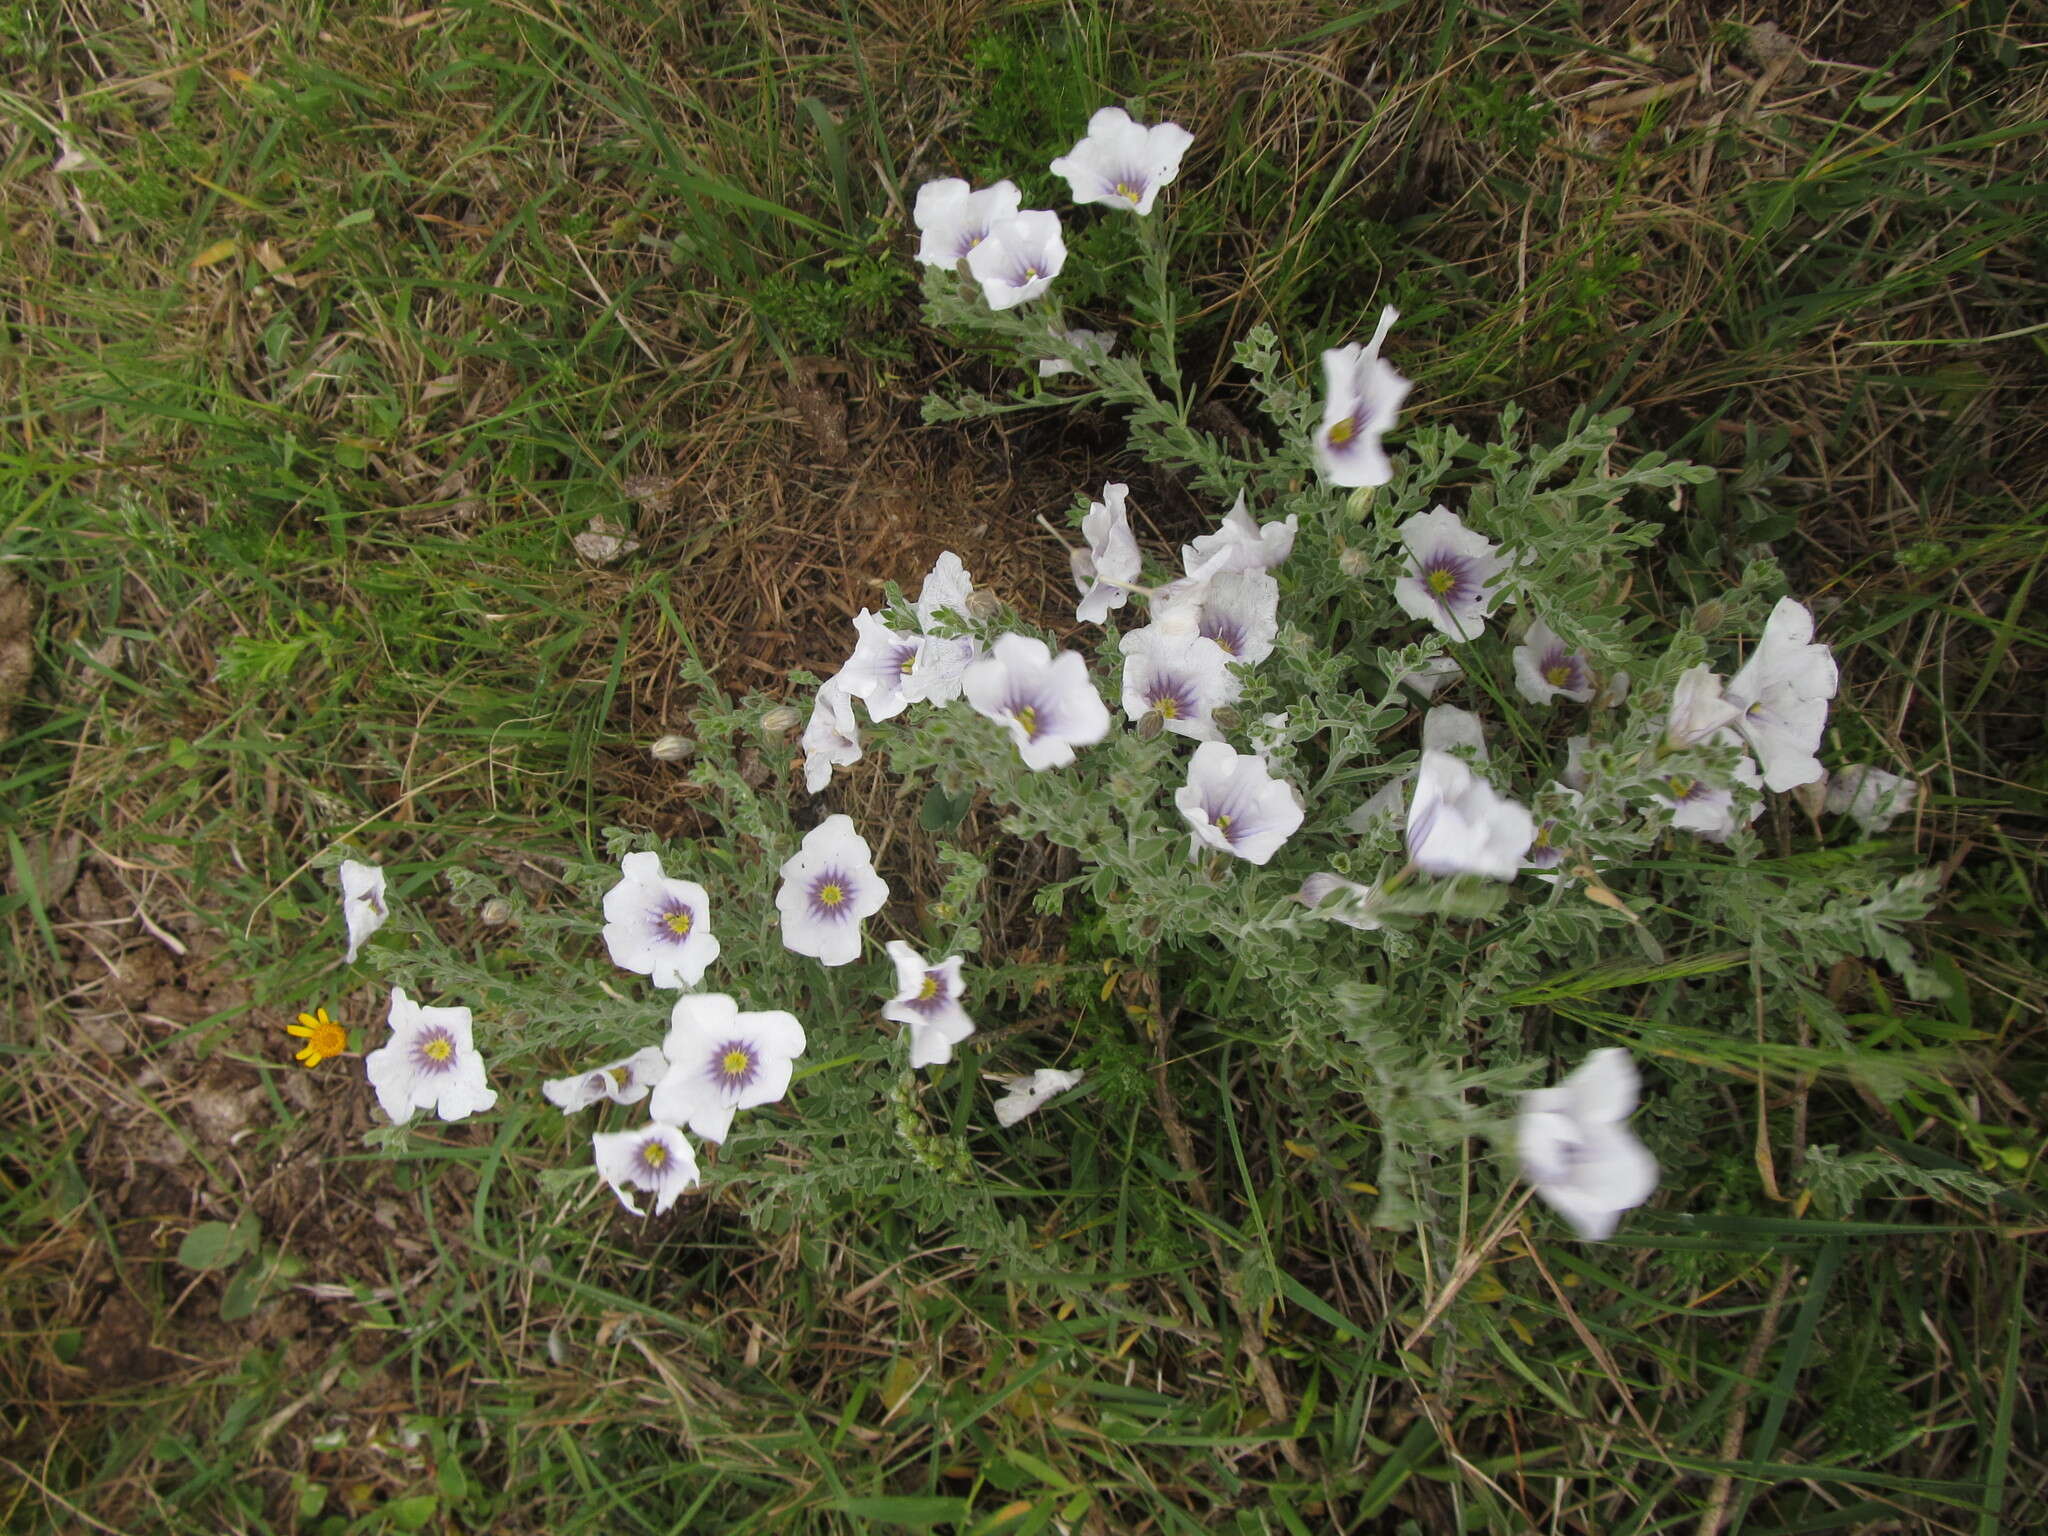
x=1396 y=1048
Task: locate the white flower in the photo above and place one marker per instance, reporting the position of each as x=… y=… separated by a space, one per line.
x=430 y=1062
x=1544 y=851
x=1019 y=258
x=829 y=886
x=720 y=1061
x=832 y=737
x=1363 y=395
x=1697 y=805
x=1181 y=678
x=1028 y=1094
x=1240 y=543
x=954 y=220
x=656 y=926
x=1429 y=678
x=1449 y=569
x=655 y=1158
x=1574 y=774
x=1446 y=727
x=882 y=660
x=1544 y=668
x=927 y=1000
x=1240 y=611
x=934 y=676
x=1047 y=701
x=1121 y=163
x=1353 y=909
x=1457 y=825
x=1870 y=797
x=362 y=902
x=1574 y=1148
x=625 y=1081
x=1783 y=692
x=1093 y=347
x=1235 y=805
x=1112 y=561
x=1388 y=802
x=1697 y=708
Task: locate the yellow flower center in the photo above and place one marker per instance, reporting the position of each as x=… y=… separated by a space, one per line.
x=680 y=921
x=1559 y=676
x=654 y=1154
x=621 y=1076
x=1168 y=707
x=1340 y=433
x=929 y=990
x=828 y=896
x=908 y=664
x=324 y=1038
x=1128 y=192
x=1223 y=822
x=1027 y=717
x=1440 y=581
x=440 y=1048
x=735 y=1063
x=1680 y=786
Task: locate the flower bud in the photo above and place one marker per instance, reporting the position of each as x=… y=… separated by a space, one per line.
x=983 y=605
x=1359 y=502
x=1150 y=724
x=1709 y=616
x=495 y=913
x=671 y=748
x=781 y=720
x=1354 y=563
x=1226 y=718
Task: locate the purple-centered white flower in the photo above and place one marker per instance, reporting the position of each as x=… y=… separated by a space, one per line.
x=656 y=926
x=1545 y=668
x=1093 y=347
x=831 y=738
x=1031 y=1092
x=1240 y=543
x=927 y=1003
x=1240 y=612
x=1018 y=258
x=882 y=661
x=1870 y=797
x=721 y=1061
x=1354 y=908
x=954 y=220
x=625 y=1081
x=363 y=906
x=1450 y=569
x=1121 y=163
x=1574 y=1147
x=1112 y=561
x=430 y=1062
x=1545 y=852
x=1183 y=679
x=1235 y=805
x=829 y=887
x=1698 y=708
x=655 y=1158
x=1457 y=825
x=1362 y=397
x=1047 y=701
x=1782 y=692
x=1699 y=805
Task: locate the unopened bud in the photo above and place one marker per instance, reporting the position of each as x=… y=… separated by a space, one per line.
x=1150 y=724
x=1812 y=798
x=1226 y=718
x=983 y=605
x=495 y=913
x=1710 y=616
x=1359 y=502
x=671 y=748
x=781 y=720
x=1354 y=563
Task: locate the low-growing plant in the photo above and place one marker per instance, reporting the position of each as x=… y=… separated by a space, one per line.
x=1407 y=807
